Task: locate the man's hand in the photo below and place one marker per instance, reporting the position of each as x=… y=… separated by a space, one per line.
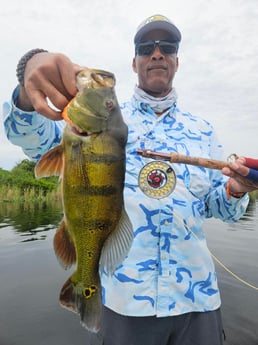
x=243 y=175
x=48 y=77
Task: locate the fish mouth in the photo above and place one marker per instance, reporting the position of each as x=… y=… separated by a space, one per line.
x=72 y=126
x=95 y=78
x=82 y=133
x=92 y=123
x=79 y=132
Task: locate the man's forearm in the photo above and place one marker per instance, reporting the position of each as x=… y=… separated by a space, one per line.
x=34 y=133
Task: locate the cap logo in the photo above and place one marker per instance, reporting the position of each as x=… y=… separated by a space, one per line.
x=156 y=17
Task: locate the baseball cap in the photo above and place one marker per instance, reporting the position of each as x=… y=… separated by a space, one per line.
x=157 y=22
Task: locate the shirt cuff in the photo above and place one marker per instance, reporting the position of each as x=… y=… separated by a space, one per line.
x=17 y=120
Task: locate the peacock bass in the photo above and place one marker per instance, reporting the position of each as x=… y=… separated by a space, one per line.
x=95 y=232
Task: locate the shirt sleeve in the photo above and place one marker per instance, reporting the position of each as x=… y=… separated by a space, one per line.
x=34 y=133
x=229 y=209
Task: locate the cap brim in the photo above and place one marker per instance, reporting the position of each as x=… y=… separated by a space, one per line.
x=172 y=30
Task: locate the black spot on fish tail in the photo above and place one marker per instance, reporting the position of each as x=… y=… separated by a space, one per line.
x=89 y=291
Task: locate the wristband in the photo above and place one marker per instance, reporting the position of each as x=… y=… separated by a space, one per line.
x=23 y=61
x=251 y=163
x=252 y=175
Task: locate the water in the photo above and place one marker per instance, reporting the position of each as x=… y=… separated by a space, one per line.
x=31 y=278
x=236 y=246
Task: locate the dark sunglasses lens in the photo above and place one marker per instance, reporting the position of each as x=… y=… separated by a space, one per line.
x=145 y=49
x=168 y=48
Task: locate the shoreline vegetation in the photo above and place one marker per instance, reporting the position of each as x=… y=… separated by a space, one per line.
x=20 y=185
x=253 y=196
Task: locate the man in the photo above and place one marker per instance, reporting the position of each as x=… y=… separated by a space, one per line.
x=165 y=292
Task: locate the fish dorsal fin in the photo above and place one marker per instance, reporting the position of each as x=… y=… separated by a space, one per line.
x=51 y=163
x=64 y=246
x=117 y=245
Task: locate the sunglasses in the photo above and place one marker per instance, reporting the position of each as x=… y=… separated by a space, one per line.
x=148 y=47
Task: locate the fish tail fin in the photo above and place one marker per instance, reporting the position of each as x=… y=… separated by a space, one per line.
x=84 y=301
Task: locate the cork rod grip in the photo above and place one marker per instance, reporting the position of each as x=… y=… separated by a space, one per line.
x=198 y=161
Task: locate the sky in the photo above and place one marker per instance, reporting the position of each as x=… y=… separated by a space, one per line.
x=218 y=56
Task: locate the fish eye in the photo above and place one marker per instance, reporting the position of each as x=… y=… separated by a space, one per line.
x=109 y=104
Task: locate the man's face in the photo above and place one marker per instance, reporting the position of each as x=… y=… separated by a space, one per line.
x=156 y=71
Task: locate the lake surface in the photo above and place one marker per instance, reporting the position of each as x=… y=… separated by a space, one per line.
x=31 y=277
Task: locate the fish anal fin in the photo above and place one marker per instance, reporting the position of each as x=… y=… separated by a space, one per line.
x=64 y=246
x=117 y=245
x=51 y=163
x=72 y=297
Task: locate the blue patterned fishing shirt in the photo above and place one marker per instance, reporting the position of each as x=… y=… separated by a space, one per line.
x=169 y=269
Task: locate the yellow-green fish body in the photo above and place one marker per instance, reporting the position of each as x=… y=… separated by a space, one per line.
x=91 y=159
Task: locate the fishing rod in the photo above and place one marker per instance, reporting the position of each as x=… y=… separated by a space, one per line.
x=174 y=157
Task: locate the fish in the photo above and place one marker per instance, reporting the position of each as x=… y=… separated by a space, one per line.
x=95 y=233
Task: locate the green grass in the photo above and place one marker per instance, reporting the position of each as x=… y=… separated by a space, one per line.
x=253 y=195
x=9 y=193
x=20 y=184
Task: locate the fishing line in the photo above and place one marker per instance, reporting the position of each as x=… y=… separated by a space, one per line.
x=233 y=274
x=237 y=277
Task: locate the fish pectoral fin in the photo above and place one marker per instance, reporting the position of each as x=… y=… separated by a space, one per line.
x=64 y=246
x=51 y=163
x=117 y=245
